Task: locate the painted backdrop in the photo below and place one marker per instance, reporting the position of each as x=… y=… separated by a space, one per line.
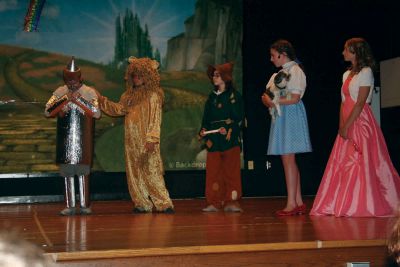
x=183 y=35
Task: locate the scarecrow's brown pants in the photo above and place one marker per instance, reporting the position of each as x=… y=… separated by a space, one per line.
x=223 y=181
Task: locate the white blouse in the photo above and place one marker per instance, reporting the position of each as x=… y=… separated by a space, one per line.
x=364 y=78
x=297 y=82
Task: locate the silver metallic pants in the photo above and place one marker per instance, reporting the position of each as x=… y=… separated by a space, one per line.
x=83 y=191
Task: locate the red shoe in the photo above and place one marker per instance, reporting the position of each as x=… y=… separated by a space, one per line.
x=287 y=213
x=301 y=209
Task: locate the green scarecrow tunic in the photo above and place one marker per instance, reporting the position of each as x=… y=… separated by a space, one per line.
x=223 y=110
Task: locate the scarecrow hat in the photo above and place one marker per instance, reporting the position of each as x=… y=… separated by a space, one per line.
x=225 y=70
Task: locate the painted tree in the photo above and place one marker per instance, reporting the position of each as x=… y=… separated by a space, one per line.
x=131 y=39
x=157 y=55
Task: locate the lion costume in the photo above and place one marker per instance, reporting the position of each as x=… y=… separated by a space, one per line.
x=142 y=108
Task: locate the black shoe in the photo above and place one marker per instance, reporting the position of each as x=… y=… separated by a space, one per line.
x=139 y=210
x=169 y=210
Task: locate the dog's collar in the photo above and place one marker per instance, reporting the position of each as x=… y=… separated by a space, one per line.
x=280 y=88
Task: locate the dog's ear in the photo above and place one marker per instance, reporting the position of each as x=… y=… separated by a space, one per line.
x=288 y=77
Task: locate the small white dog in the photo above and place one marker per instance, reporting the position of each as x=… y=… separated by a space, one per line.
x=273 y=90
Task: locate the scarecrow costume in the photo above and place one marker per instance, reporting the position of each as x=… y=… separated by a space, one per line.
x=223 y=109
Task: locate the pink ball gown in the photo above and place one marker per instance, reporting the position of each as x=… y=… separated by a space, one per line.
x=360 y=179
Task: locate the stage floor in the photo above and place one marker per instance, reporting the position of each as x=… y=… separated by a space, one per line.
x=113 y=231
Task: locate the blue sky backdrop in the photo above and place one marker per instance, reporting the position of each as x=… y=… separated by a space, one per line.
x=86 y=28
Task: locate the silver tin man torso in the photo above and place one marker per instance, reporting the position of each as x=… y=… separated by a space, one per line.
x=75 y=124
x=75 y=137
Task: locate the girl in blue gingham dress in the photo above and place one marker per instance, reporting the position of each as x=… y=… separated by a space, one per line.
x=289 y=132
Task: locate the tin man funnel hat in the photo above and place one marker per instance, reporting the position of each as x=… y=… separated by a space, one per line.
x=72 y=71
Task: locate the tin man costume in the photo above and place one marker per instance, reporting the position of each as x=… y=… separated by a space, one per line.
x=141 y=104
x=76 y=106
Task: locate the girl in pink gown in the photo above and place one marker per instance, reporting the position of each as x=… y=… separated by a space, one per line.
x=359 y=179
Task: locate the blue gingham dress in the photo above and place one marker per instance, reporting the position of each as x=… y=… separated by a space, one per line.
x=289 y=133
